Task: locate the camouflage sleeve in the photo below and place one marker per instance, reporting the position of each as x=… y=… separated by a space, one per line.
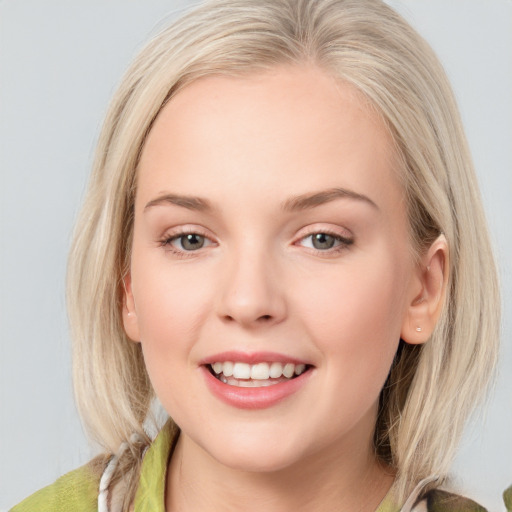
x=507 y=498
x=442 y=501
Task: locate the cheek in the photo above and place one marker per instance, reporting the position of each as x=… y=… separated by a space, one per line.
x=171 y=308
x=169 y=300
x=170 y=312
x=356 y=317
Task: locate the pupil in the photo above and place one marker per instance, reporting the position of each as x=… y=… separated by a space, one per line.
x=192 y=242
x=323 y=241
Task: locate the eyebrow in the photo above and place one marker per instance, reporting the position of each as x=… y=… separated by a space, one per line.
x=307 y=201
x=296 y=203
x=189 y=202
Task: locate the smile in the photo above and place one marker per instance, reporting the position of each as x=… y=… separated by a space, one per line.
x=261 y=374
x=255 y=380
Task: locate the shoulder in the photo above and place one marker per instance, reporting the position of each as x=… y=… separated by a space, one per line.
x=442 y=501
x=76 y=491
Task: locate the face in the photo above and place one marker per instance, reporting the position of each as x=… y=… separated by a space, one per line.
x=271 y=271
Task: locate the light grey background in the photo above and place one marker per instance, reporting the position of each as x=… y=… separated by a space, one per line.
x=59 y=64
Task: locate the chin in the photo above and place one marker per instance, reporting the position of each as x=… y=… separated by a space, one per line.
x=260 y=464
x=266 y=456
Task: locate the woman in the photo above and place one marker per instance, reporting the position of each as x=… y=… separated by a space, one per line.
x=245 y=141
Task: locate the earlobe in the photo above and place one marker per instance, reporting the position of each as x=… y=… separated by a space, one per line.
x=130 y=321
x=428 y=294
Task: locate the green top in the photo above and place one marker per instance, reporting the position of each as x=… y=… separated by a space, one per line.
x=77 y=491
x=507 y=498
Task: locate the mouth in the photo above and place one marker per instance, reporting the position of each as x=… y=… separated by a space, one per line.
x=262 y=374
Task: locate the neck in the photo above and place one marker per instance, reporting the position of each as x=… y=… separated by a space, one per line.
x=349 y=480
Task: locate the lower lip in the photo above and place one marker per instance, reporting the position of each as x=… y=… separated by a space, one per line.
x=254 y=398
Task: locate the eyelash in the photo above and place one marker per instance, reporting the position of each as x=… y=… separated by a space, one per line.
x=343 y=242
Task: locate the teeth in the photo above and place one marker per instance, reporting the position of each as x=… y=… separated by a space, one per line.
x=299 y=368
x=242 y=371
x=289 y=370
x=260 y=371
x=276 y=370
x=227 y=369
x=245 y=374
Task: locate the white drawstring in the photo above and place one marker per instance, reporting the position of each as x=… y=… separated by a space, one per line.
x=106 y=478
x=411 y=500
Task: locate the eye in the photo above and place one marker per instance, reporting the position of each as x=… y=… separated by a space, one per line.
x=189 y=242
x=323 y=241
x=184 y=242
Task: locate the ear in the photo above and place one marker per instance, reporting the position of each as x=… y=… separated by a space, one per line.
x=427 y=293
x=130 y=321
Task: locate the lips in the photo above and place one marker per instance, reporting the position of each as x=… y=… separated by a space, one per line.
x=254 y=381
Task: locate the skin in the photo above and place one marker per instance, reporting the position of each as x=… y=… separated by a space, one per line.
x=248 y=146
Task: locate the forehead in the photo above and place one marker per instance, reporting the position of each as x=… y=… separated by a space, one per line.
x=292 y=125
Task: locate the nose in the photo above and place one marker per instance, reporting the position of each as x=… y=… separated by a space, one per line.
x=252 y=291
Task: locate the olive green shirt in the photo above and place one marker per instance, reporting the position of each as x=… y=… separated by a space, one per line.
x=507 y=498
x=77 y=491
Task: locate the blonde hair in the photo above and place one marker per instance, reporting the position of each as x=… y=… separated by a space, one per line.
x=431 y=389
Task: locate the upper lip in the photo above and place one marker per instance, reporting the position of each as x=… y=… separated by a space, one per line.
x=251 y=358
